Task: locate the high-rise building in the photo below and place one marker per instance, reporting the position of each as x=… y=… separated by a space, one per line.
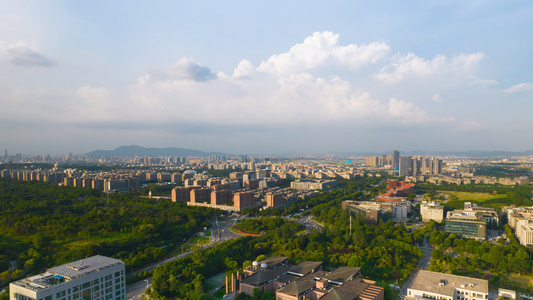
x=373 y=161
x=404 y=165
x=96 y=278
x=415 y=166
x=395 y=159
x=437 y=166
x=384 y=160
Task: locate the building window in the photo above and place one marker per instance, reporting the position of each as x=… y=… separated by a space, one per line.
x=86 y=295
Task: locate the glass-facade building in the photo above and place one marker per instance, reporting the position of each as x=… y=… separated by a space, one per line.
x=466 y=226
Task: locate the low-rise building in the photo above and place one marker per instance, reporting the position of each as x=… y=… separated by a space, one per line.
x=440 y=286
x=465 y=223
x=431 y=210
x=370 y=211
x=313 y=184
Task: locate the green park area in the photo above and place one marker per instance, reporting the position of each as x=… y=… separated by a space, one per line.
x=468 y=196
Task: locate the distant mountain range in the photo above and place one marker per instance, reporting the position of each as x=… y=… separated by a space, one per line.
x=133 y=151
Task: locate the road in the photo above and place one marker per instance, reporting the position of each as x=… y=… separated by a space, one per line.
x=136 y=290
x=222 y=232
x=309 y=223
x=423 y=264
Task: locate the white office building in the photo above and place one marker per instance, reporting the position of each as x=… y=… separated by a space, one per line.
x=440 y=286
x=93 y=278
x=431 y=210
x=400 y=211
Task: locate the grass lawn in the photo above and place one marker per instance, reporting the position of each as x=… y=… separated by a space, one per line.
x=220 y=293
x=523 y=280
x=466 y=196
x=301 y=232
x=201 y=240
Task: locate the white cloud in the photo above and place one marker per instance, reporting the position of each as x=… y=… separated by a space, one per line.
x=520 y=88
x=320 y=49
x=406 y=112
x=282 y=91
x=98 y=104
x=243 y=70
x=21 y=55
x=411 y=65
x=448 y=119
x=436 y=98
x=471 y=125
x=26 y=57
x=184 y=69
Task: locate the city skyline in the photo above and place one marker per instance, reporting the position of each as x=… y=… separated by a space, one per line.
x=300 y=77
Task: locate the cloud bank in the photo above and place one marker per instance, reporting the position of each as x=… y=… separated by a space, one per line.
x=319 y=83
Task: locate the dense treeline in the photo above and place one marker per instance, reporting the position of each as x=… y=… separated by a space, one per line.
x=501 y=170
x=265 y=224
x=42 y=225
x=474 y=258
x=384 y=251
x=185 y=277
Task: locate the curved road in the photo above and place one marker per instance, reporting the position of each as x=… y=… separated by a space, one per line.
x=136 y=290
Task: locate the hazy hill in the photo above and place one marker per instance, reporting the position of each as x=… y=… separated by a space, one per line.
x=133 y=151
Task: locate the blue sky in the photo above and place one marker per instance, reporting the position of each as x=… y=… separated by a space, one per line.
x=266 y=76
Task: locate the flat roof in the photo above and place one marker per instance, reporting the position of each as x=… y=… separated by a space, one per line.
x=83 y=266
x=305 y=267
x=266 y=275
x=299 y=285
x=342 y=274
x=430 y=282
x=67 y=272
x=273 y=260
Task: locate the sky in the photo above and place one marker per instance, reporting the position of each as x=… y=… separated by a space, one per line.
x=266 y=77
